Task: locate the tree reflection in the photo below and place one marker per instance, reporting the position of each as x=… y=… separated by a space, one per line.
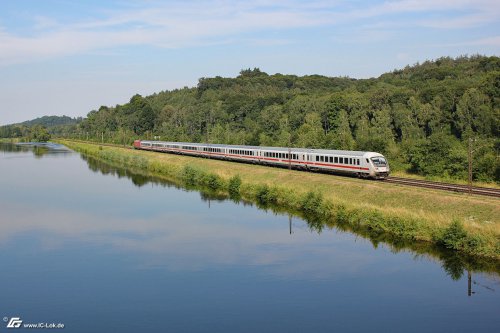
x=452 y=262
x=38 y=149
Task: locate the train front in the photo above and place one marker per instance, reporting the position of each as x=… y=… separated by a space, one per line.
x=378 y=166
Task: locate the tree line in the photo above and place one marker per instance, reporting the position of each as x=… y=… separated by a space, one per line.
x=41 y=129
x=424 y=117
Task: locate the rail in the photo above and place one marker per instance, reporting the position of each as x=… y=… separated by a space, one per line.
x=492 y=192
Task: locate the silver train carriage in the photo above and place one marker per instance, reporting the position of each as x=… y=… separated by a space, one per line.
x=360 y=163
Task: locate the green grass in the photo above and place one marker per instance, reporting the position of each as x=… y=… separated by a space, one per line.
x=403 y=213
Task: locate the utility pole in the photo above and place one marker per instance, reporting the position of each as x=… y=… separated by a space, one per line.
x=470 y=165
x=289 y=157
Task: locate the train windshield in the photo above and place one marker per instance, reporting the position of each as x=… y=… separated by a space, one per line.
x=379 y=161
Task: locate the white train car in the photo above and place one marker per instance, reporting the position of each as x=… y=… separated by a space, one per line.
x=360 y=163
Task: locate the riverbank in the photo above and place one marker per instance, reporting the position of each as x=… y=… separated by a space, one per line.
x=466 y=224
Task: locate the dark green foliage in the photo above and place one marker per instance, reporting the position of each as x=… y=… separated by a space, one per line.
x=53 y=125
x=421 y=116
x=51 y=121
x=234 y=186
x=312 y=204
x=39 y=134
x=212 y=181
x=190 y=175
x=266 y=195
x=454 y=236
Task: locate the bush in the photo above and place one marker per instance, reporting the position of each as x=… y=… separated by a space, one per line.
x=266 y=195
x=234 y=186
x=312 y=203
x=212 y=181
x=454 y=236
x=189 y=175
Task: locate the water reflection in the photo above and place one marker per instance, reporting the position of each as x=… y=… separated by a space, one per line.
x=94 y=246
x=454 y=264
x=39 y=149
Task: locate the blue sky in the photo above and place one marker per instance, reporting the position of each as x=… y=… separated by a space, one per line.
x=69 y=57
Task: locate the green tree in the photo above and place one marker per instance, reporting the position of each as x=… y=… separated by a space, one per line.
x=474 y=113
x=40 y=134
x=310 y=134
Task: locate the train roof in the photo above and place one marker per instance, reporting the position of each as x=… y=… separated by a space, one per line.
x=280 y=149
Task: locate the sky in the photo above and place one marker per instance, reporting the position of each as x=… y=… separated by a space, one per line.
x=62 y=57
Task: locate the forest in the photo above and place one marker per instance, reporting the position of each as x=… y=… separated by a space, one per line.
x=40 y=129
x=425 y=118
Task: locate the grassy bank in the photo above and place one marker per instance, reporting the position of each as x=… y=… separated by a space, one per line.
x=9 y=140
x=456 y=221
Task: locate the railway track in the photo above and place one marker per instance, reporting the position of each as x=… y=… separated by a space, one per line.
x=492 y=192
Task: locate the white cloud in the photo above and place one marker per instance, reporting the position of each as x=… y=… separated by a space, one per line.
x=185 y=24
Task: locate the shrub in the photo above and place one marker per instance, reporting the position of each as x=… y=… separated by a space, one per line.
x=266 y=195
x=234 y=186
x=454 y=236
x=189 y=175
x=212 y=181
x=312 y=203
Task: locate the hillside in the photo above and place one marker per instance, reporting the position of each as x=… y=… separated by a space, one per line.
x=51 y=121
x=422 y=117
x=57 y=125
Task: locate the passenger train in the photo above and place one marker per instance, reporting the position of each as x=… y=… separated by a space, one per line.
x=360 y=163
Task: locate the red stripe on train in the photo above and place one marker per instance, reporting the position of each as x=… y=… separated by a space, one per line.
x=257 y=158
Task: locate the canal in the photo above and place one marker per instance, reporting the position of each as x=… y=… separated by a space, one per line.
x=101 y=249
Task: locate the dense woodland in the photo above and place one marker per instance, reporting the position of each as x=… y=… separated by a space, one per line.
x=424 y=118
x=40 y=129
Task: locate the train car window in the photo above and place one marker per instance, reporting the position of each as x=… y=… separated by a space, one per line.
x=317 y=158
x=336 y=159
x=341 y=160
x=367 y=161
x=350 y=161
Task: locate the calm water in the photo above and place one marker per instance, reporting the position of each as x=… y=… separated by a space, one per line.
x=102 y=250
